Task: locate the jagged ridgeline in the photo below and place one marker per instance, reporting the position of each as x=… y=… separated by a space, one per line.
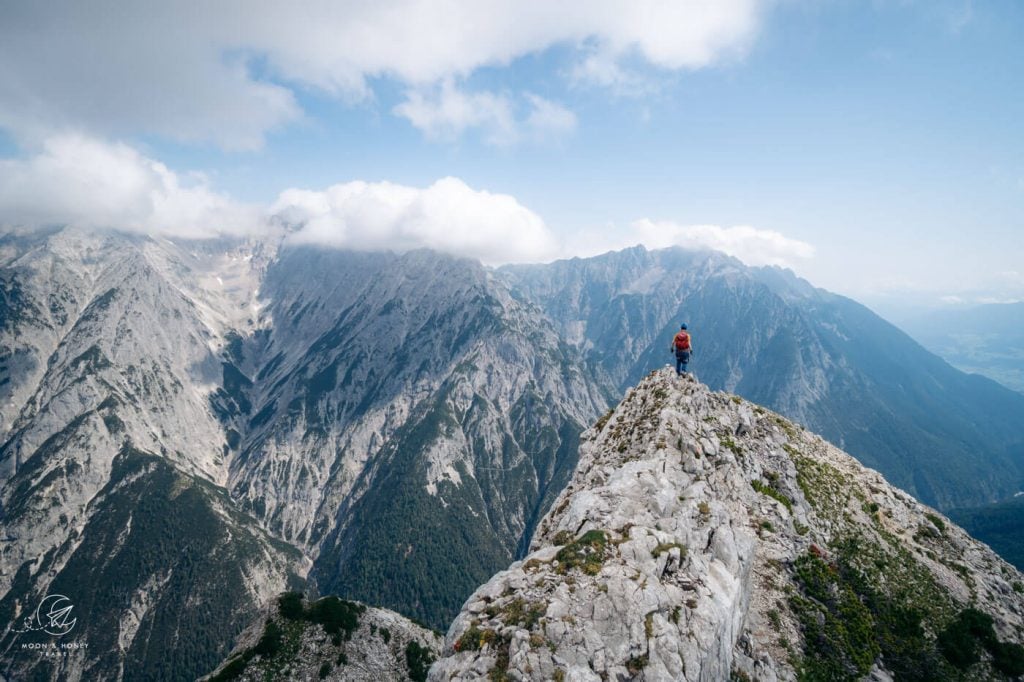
x=950 y=439
x=706 y=538
x=187 y=429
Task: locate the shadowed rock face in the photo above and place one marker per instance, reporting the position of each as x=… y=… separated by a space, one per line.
x=702 y=536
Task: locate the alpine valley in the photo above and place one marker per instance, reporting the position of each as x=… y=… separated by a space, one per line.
x=190 y=428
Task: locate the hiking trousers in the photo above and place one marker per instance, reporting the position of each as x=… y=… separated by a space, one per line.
x=682 y=359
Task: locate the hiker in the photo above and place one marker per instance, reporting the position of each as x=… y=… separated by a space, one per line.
x=682 y=346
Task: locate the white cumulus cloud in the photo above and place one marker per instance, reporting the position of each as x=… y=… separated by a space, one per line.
x=447 y=112
x=228 y=71
x=751 y=245
x=447 y=216
x=81 y=181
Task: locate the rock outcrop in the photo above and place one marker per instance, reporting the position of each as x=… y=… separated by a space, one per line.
x=329 y=639
x=703 y=537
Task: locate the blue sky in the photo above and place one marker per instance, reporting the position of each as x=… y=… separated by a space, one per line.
x=887 y=136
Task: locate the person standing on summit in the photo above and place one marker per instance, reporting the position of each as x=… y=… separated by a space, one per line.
x=682 y=346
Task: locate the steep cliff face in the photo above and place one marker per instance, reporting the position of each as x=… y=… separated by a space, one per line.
x=196 y=423
x=112 y=463
x=409 y=420
x=702 y=536
x=949 y=438
x=116 y=361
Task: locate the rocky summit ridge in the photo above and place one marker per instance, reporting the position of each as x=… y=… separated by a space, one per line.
x=703 y=537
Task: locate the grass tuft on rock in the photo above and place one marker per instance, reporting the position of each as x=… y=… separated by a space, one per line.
x=767 y=489
x=586 y=553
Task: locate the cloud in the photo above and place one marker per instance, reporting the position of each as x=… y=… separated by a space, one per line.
x=1005 y=286
x=447 y=216
x=116 y=69
x=603 y=68
x=81 y=181
x=751 y=245
x=448 y=112
x=85 y=182
x=667 y=35
x=228 y=71
x=547 y=118
x=970 y=286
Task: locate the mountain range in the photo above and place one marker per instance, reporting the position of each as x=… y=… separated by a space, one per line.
x=949 y=438
x=701 y=537
x=213 y=422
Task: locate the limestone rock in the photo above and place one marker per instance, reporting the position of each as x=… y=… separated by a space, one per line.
x=690 y=544
x=330 y=639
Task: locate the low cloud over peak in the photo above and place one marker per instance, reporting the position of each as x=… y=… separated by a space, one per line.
x=84 y=182
x=448 y=216
x=751 y=245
